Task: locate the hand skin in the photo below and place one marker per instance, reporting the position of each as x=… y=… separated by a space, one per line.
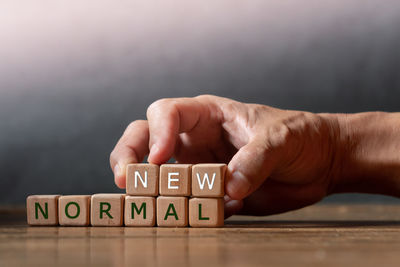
x=278 y=160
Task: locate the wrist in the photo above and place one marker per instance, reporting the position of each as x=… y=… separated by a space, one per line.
x=338 y=140
x=369 y=153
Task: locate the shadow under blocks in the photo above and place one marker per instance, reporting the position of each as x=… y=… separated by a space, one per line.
x=170 y=195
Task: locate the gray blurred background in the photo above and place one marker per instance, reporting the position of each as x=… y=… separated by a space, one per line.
x=73 y=74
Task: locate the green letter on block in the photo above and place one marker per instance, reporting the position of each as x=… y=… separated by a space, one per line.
x=106 y=211
x=44 y=212
x=142 y=207
x=200 y=216
x=78 y=210
x=169 y=213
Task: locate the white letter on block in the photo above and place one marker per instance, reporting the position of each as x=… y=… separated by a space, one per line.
x=144 y=182
x=210 y=184
x=170 y=179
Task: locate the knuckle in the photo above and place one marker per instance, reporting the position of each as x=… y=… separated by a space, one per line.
x=279 y=134
x=254 y=112
x=231 y=111
x=135 y=124
x=204 y=97
x=292 y=131
x=298 y=121
x=159 y=105
x=112 y=158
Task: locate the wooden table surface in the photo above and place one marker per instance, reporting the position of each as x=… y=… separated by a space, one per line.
x=320 y=235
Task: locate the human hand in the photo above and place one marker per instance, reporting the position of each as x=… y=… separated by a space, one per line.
x=278 y=160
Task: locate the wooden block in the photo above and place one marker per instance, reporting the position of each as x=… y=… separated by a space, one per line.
x=107 y=209
x=42 y=209
x=208 y=180
x=172 y=211
x=74 y=210
x=140 y=211
x=175 y=179
x=206 y=212
x=142 y=179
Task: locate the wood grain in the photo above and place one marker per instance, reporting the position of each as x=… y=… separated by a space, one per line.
x=175 y=180
x=42 y=209
x=107 y=210
x=206 y=212
x=74 y=210
x=140 y=211
x=321 y=235
x=208 y=180
x=172 y=211
x=142 y=179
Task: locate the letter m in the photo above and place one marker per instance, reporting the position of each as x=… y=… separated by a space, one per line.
x=138 y=210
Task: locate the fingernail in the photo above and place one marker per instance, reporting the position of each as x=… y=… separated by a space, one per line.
x=153 y=151
x=119 y=177
x=238 y=186
x=117 y=170
x=227 y=198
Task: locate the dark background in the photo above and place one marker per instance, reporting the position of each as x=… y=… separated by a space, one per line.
x=73 y=75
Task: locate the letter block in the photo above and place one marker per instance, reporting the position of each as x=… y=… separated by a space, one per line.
x=175 y=179
x=206 y=212
x=208 y=180
x=107 y=209
x=172 y=211
x=42 y=209
x=140 y=211
x=74 y=210
x=142 y=179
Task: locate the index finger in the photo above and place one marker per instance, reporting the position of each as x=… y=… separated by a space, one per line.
x=171 y=116
x=132 y=147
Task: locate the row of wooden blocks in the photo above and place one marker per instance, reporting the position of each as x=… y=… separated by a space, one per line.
x=200 y=180
x=154 y=195
x=120 y=209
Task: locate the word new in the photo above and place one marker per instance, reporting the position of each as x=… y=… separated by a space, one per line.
x=171 y=195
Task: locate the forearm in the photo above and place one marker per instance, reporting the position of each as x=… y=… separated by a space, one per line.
x=369 y=153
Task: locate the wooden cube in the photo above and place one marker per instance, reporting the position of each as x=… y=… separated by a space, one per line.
x=74 y=210
x=140 y=211
x=208 y=180
x=206 y=212
x=42 y=209
x=172 y=211
x=142 y=179
x=175 y=179
x=107 y=209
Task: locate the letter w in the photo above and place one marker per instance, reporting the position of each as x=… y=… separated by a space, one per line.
x=202 y=183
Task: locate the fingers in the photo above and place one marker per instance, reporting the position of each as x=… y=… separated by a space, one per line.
x=232 y=206
x=168 y=118
x=131 y=148
x=249 y=168
x=275 y=197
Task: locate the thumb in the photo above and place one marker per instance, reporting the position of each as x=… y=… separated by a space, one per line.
x=249 y=168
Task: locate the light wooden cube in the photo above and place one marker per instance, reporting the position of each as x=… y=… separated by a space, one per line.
x=175 y=179
x=74 y=210
x=172 y=211
x=107 y=209
x=140 y=211
x=142 y=179
x=42 y=209
x=206 y=212
x=208 y=180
